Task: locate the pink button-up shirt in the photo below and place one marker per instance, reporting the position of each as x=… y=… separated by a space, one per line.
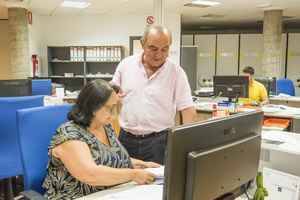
x=150 y=104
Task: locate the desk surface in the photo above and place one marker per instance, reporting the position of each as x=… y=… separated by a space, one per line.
x=280 y=98
x=130 y=191
x=290 y=141
x=282 y=111
x=133 y=191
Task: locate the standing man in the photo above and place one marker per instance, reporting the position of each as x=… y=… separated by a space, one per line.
x=153 y=88
x=257 y=91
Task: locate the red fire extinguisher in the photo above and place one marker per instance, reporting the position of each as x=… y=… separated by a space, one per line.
x=35 y=65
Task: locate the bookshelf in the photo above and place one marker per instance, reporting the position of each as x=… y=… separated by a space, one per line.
x=74 y=66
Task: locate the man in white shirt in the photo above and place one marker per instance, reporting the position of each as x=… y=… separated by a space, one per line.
x=153 y=89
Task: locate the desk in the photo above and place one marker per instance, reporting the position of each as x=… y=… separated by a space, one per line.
x=204 y=112
x=289 y=101
x=283 y=158
x=131 y=191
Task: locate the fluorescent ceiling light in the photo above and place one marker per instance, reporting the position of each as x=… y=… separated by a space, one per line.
x=75 y=4
x=205 y=2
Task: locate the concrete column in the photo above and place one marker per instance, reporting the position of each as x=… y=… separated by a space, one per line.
x=159 y=11
x=272 y=43
x=18 y=43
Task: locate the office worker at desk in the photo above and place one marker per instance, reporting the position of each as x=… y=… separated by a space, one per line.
x=257 y=91
x=153 y=89
x=85 y=155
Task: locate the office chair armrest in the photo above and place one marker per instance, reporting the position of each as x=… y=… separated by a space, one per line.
x=32 y=195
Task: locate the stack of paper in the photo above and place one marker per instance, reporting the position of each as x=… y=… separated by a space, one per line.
x=159 y=174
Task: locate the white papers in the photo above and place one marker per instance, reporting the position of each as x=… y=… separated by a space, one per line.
x=50 y=101
x=158 y=171
x=268 y=109
x=286 y=143
x=145 y=192
x=205 y=89
x=159 y=174
x=282 y=109
x=283 y=95
x=276 y=136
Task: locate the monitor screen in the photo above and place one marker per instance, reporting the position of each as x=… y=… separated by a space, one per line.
x=201 y=136
x=231 y=86
x=14 y=88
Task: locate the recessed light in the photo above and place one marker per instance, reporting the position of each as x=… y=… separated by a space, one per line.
x=205 y=2
x=264 y=5
x=212 y=16
x=75 y=4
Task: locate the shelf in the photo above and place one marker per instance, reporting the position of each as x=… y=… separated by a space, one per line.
x=83 y=61
x=91 y=77
x=79 y=77
x=100 y=61
x=103 y=61
x=66 y=61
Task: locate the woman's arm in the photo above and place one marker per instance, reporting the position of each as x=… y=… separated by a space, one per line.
x=77 y=158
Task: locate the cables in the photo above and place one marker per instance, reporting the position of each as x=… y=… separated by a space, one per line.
x=245 y=188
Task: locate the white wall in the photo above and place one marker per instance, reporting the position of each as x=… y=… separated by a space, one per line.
x=34 y=35
x=4 y=50
x=98 y=30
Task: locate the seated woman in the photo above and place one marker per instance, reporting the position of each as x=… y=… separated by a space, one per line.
x=85 y=155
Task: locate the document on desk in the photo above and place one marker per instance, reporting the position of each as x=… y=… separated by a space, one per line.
x=159 y=174
x=145 y=192
x=287 y=143
x=157 y=171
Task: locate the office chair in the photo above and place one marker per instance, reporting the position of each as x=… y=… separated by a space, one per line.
x=36 y=126
x=10 y=160
x=41 y=86
x=285 y=86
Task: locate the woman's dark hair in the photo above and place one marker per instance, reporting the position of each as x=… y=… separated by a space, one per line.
x=249 y=70
x=91 y=98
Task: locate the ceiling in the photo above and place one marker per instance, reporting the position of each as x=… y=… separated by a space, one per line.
x=228 y=12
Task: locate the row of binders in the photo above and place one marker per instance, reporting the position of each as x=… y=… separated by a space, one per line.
x=96 y=54
x=103 y=54
x=77 y=53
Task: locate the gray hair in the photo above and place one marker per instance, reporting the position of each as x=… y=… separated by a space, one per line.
x=155 y=28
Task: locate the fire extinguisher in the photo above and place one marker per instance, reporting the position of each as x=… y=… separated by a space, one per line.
x=35 y=65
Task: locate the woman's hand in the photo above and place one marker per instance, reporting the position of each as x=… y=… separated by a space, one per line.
x=139 y=164
x=151 y=165
x=142 y=177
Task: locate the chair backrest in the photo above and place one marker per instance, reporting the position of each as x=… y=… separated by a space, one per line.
x=285 y=86
x=36 y=126
x=41 y=86
x=15 y=88
x=10 y=161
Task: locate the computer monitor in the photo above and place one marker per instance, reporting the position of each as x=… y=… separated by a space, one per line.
x=231 y=86
x=269 y=83
x=191 y=159
x=14 y=88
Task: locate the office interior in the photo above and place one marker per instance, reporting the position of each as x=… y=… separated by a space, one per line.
x=51 y=51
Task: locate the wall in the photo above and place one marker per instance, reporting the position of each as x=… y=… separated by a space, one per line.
x=4 y=50
x=34 y=38
x=98 y=30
